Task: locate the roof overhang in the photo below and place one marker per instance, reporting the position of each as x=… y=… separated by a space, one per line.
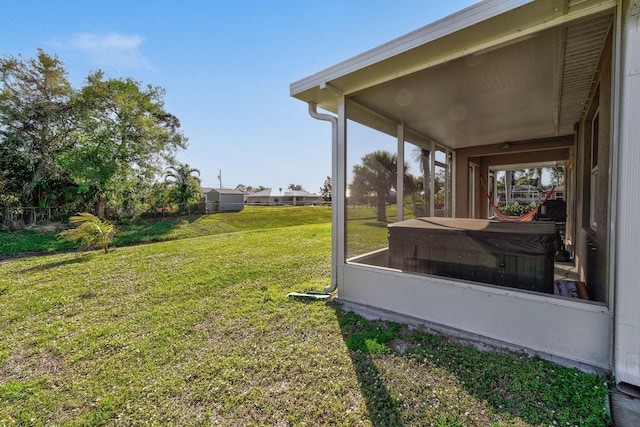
x=501 y=70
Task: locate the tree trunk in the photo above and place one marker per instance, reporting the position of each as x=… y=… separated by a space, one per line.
x=382 y=206
x=101 y=206
x=426 y=181
x=414 y=203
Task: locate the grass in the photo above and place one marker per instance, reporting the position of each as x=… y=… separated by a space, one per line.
x=159 y=230
x=365 y=233
x=199 y=331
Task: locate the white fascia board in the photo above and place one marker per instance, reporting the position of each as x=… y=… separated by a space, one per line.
x=443 y=27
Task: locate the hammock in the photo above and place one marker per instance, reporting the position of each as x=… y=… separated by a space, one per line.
x=526 y=217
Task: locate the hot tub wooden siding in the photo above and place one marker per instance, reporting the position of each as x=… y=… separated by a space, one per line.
x=506 y=253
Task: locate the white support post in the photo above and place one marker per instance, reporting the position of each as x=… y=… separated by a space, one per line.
x=400 y=174
x=432 y=180
x=339 y=204
x=452 y=189
x=625 y=227
x=508 y=179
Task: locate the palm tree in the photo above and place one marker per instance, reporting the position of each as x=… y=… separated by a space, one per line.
x=422 y=157
x=90 y=231
x=185 y=187
x=376 y=174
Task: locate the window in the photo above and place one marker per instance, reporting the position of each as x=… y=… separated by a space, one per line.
x=371 y=191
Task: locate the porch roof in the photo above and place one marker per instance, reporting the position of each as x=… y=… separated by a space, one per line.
x=500 y=70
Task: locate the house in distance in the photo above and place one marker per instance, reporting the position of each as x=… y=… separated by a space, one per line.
x=290 y=198
x=223 y=200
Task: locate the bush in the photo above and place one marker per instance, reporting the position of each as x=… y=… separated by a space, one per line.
x=516 y=210
x=91 y=231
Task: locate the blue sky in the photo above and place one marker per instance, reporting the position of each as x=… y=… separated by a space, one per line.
x=226 y=67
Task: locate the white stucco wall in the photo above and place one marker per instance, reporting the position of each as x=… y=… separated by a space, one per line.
x=571 y=330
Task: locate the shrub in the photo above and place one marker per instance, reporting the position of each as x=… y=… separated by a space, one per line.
x=516 y=210
x=90 y=231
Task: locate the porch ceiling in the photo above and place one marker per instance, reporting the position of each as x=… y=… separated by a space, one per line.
x=526 y=90
x=526 y=83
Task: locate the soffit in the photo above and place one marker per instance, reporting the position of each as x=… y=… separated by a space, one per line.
x=505 y=70
x=534 y=88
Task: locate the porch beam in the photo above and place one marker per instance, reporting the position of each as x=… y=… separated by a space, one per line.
x=512 y=147
x=523 y=158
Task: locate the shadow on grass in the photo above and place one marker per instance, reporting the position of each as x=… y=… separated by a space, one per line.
x=44 y=267
x=30 y=243
x=515 y=385
x=364 y=339
x=141 y=231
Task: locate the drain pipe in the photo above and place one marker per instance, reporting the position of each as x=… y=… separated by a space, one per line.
x=313 y=112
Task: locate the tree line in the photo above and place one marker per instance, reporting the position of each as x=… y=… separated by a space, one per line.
x=99 y=147
x=107 y=147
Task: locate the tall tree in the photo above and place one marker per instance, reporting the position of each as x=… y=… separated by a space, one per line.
x=295 y=187
x=423 y=157
x=527 y=176
x=8 y=202
x=184 y=185
x=36 y=124
x=96 y=145
x=124 y=134
x=257 y=189
x=248 y=189
x=325 y=190
x=412 y=186
x=557 y=175
x=376 y=174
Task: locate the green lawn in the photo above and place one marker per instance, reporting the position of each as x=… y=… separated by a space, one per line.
x=196 y=329
x=159 y=230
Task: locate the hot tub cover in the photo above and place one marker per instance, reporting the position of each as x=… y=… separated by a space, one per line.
x=503 y=237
